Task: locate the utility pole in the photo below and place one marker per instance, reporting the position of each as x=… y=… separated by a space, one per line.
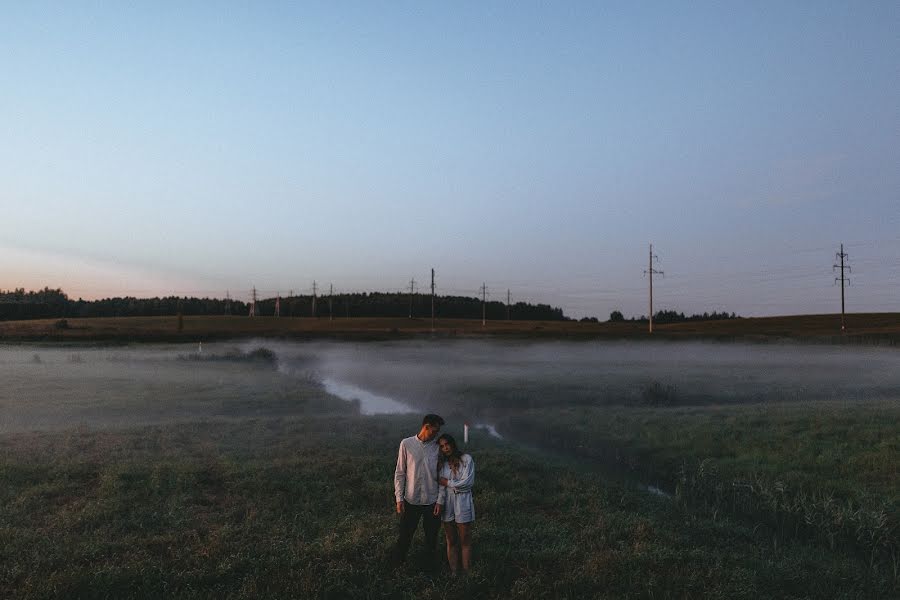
x=841 y=255
x=483 y=303
x=651 y=271
x=330 y=302
x=507 y=304
x=432 y=300
x=253 y=304
x=278 y=304
x=412 y=290
x=314 y=300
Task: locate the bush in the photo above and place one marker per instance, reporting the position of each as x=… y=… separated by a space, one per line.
x=656 y=393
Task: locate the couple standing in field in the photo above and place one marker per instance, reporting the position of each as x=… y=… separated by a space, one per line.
x=433 y=483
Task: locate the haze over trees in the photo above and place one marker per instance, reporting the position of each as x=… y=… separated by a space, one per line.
x=48 y=303
x=54 y=303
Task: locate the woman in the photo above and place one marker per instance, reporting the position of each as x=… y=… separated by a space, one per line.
x=456 y=472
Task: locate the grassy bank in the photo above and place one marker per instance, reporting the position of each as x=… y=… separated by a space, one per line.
x=823 y=472
x=874 y=328
x=301 y=507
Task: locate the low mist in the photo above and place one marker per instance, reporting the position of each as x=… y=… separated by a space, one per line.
x=55 y=386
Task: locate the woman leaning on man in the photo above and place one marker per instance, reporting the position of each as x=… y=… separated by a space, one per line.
x=456 y=473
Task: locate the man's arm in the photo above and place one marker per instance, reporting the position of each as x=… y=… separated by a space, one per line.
x=400 y=479
x=442 y=496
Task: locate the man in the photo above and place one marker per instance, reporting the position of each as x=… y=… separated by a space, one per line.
x=416 y=487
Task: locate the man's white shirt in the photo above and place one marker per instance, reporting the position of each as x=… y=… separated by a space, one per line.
x=415 y=478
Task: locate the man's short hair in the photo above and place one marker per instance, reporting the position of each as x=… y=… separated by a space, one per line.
x=433 y=420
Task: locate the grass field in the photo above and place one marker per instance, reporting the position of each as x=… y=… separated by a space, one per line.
x=301 y=507
x=146 y=472
x=861 y=328
x=826 y=471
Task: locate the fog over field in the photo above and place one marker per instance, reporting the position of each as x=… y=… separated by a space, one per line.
x=54 y=386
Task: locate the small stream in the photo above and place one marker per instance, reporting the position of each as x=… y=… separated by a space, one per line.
x=375 y=404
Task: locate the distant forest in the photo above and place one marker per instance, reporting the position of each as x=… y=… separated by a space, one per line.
x=54 y=303
x=672 y=316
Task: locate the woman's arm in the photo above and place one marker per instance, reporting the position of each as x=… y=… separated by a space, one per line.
x=465 y=479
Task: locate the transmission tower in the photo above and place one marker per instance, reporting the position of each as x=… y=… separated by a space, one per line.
x=227 y=303
x=483 y=304
x=253 y=304
x=278 y=304
x=651 y=272
x=330 y=302
x=412 y=290
x=841 y=256
x=507 y=305
x=314 y=300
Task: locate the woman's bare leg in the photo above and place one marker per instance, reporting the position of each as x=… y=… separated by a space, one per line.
x=452 y=546
x=465 y=543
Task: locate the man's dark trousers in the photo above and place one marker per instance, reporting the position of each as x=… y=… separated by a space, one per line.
x=409 y=521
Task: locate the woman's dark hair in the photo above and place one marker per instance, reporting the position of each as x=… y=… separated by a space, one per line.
x=455 y=454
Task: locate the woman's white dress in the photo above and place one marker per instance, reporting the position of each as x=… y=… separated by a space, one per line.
x=456 y=496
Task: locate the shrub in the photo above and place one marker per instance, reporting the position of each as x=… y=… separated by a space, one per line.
x=656 y=393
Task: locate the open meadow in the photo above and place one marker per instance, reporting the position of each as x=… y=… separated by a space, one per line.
x=171 y=470
x=883 y=328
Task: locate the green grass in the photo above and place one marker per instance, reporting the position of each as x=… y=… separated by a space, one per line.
x=818 y=472
x=302 y=507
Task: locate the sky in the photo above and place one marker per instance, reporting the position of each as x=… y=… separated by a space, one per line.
x=180 y=148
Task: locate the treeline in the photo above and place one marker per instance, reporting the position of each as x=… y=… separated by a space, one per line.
x=386 y=304
x=672 y=316
x=54 y=303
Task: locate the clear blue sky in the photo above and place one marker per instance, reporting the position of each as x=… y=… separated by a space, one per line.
x=193 y=148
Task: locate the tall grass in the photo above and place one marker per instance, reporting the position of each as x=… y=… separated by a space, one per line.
x=302 y=508
x=823 y=472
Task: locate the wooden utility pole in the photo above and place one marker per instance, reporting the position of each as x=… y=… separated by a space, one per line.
x=841 y=255
x=651 y=271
